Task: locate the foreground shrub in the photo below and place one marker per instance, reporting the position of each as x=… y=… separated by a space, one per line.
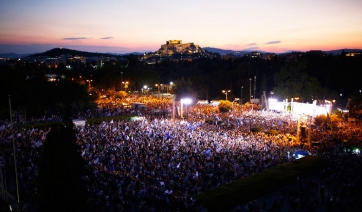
x=272 y=132
x=225 y=106
x=208 y=121
x=256 y=129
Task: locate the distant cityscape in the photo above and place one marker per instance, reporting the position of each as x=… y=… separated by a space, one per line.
x=172 y=47
x=173 y=50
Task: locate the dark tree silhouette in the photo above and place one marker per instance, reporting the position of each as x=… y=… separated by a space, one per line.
x=184 y=88
x=61 y=172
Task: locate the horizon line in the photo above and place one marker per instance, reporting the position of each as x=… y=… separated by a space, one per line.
x=244 y=50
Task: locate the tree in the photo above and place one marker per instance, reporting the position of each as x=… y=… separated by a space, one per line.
x=225 y=106
x=184 y=88
x=327 y=122
x=61 y=172
x=204 y=91
x=263 y=84
x=120 y=94
x=292 y=81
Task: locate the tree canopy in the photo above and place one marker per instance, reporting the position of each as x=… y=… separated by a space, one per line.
x=61 y=171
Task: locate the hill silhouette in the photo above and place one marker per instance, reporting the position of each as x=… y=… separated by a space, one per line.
x=55 y=52
x=64 y=51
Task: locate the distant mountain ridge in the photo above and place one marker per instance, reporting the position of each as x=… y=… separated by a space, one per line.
x=13 y=55
x=339 y=51
x=224 y=51
x=64 y=51
x=244 y=52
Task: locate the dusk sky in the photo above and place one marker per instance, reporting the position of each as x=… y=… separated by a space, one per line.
x=125 y=26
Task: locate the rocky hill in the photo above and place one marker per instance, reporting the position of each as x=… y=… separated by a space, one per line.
x=177 y=47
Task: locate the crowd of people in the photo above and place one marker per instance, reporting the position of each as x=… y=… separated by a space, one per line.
x=159 y=163
x=334 y=188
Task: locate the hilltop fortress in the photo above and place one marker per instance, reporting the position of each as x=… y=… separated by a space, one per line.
x=174 y=50
x=176 y=46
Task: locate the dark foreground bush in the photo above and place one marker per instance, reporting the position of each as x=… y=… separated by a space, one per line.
x=272 y=132
x=256 y=129
x=209 y=121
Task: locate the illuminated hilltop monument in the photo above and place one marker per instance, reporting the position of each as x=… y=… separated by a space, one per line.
x=174 y=50
x=176 y=46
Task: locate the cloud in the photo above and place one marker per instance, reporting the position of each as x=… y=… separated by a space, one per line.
x=251 y=48
x=75 y=38
x=252 y=44
x=107 y=38
x=273 y=42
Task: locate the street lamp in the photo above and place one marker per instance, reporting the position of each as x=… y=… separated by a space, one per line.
x=124 y=85
x=144 y=89
x=271 y=94
x=235 y=100
x=89 y=82
x=158 y=87
x=226 y=93
x=168 y=87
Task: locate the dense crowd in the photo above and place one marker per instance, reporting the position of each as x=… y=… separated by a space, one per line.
x=334 y=188
x=158 y=163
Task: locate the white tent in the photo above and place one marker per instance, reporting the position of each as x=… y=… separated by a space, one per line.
x=79 y=122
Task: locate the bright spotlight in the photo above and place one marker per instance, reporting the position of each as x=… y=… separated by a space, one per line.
x=186 y=101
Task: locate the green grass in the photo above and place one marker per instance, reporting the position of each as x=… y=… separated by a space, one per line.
x=247 y=189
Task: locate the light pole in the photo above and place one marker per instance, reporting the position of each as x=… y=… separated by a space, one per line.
x=250 y=89
x=241 y=100
x=173 y=108
x=226 y=93
x=254 y=86
x=14 y=153
x=171 y=84
x=121 y=79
